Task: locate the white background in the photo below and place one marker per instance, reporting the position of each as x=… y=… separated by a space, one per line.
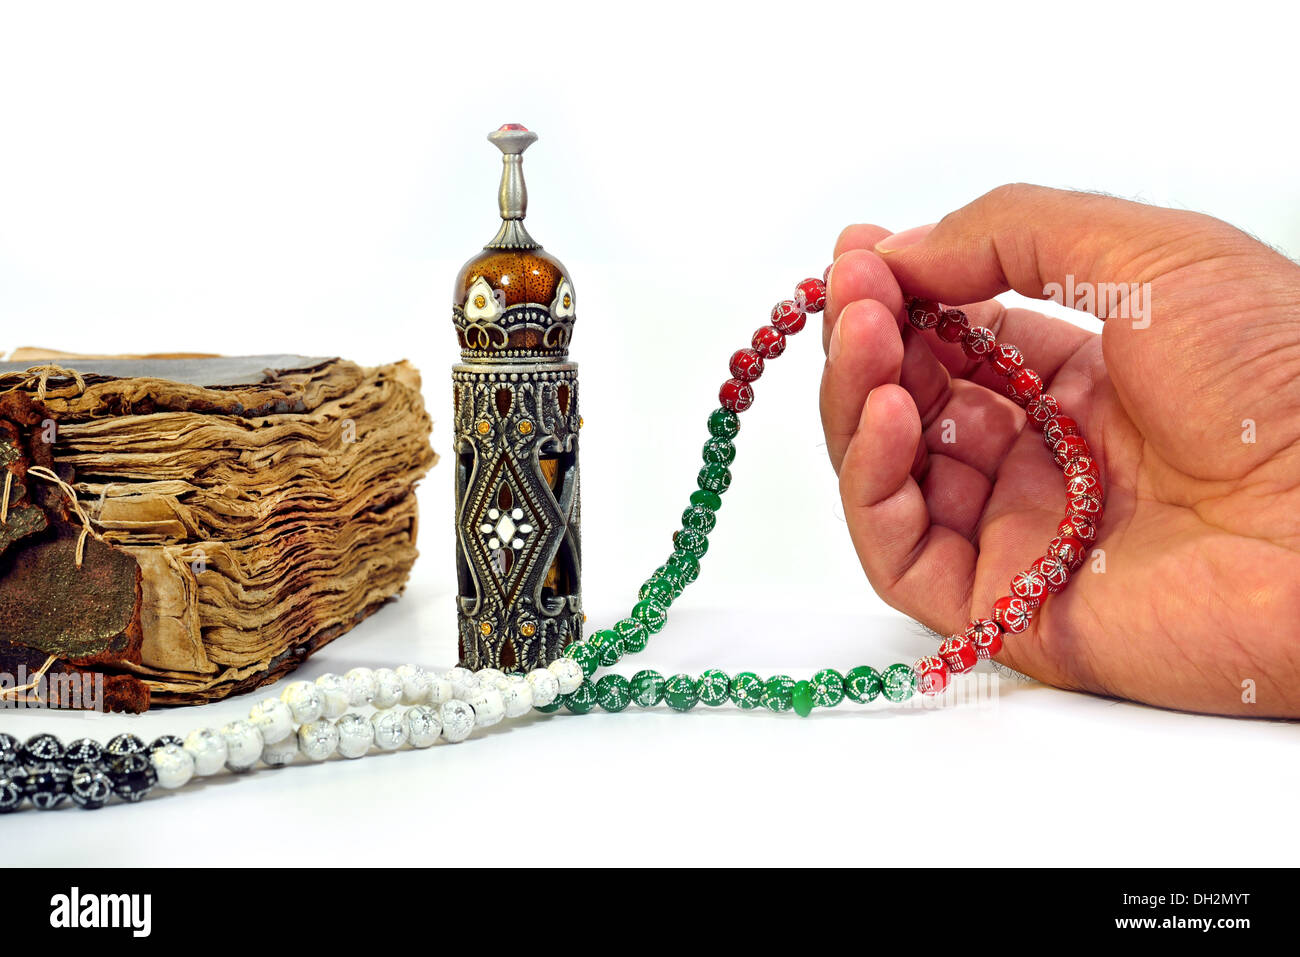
x=262 y=178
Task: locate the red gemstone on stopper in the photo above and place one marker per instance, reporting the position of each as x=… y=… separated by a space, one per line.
x=953 y=325
x=746 y=365
x=736 y=395
x=932 y=675
x=811 y=294
x=768 y=342
x=986 y=635
x=1006 y=359
x=788 y=317
x=958 y=653
x=1012 y=613
x=979 y=342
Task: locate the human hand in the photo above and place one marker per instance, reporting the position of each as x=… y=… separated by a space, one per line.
x=1190 y=597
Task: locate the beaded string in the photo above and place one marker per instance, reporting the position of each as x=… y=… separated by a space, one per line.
x=321 y=718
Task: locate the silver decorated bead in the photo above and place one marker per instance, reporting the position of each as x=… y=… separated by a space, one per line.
x=303 y=700
x=422 y=726
x=243 y=745
x=457 y=720
x=317 y=740
x=517 y=696
x=546 y=687
x=462 y=682
x=356 y=735
x=489 y=677
x=335 y=695
x=273 y=718
x=389 y=729
x=361 y=686
x=208 y=749
x=440 y=689
x=175 y=766
x=415 y=684
x=568 y=673
x=281 y=753
x=488 y=706
x=388 y=688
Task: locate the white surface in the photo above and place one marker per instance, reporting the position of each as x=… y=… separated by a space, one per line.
x=260 y=178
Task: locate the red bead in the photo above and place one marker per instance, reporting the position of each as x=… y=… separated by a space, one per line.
x=1084 y=465
x=986 y=635
x=1084 y=484
x=1012 y=613
x=1024 y=386
x=1055 y=571
x=923 y=313
x=1078 y=526
x=811 y=294
x=1089 y=505
x=1069 y=448
x=788 y=317
x=1030 y=585
x=979 y=342
x=826 y=273
x=1057 y=428
x=746 y=365
x=958 y=653
x=932 y=675
x=953 y=325
x=1042 y=408
x=1006 y=359
x=1068 y=549
x=768 y=342
x=736 y=395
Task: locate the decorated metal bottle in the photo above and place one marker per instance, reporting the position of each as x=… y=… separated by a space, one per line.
x=518 y=551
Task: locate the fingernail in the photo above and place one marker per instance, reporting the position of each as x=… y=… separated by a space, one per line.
x=837 y=334
x=908 y=237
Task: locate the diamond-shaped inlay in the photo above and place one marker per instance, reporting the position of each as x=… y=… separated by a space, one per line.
x=506 y=529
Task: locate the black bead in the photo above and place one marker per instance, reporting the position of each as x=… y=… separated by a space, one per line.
x=13 y=786
x=91 y=787
x=164 y=741
x=10 y=749
x=47 y=784
x=42 y=747
x=83 y=751
x=126 y=744
x=133 y=776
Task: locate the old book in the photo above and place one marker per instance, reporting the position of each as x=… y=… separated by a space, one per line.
x=189 y=527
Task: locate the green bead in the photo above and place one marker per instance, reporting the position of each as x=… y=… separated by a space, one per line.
x=713 y=688
x=715 y=478
x=608 y=645
x=719 y=452
x=777 y=693
x=746 y=691
x=651 y=614
x=689 y=540
x=613 y=693
x=686 y=563
x=724 y=424
x=673 y=576
x=710 y=500
x=583 y=699
x=658 y=590
x=634 y=635
x=584 y=655
x=647 y=688
x=679 y=693
x=899 y=682
x=828 y=688
x=862 y=684
x=801 y=698
x=699 y=518
x=551 y=708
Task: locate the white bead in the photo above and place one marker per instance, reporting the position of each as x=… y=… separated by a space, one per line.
x=462 y=682
x=415 y=684
x=457 y=720
x=361 y=686
x=317 y=740
x=281 y=753
x=356 y=735
x=546 y=687
x=440 y=690
x=303 y=700
x=422 y=726
x=488 y=706
x=208 y=749
x=243 y=745
x=273 y=718
x=488 y=677
x=518 y=698
x=389 y=729
x=335 y=695
x=175 y=766
x=568 y=673
x=388 y=688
